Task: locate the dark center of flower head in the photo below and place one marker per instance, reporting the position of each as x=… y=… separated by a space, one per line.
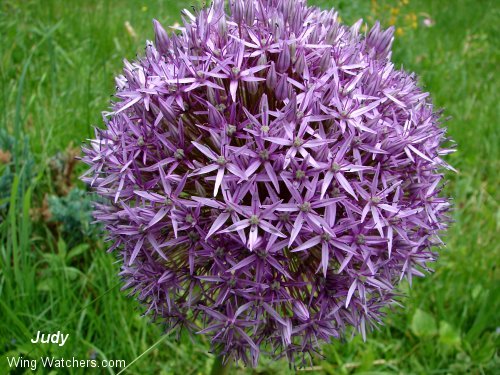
x=232 y=281
x=335 y=167
x=140 y=141
x=179 y=154
x=261 y=253
x=220 y=251
x=331 y=292
x=221 y=160
x=220 y=107
x=275 y=286
x=356 y=141
x=264 y=155
x=189 y=219
x=305 y=207
x=395 y=220
x=230 y=130
x=343 y=91
x=423 y=231
x=284 y=217
x=254 y=220
x=193 y=236
x=322 y=281
x=326 y=237
x=300 y=174
x=297 y=142
x=335 y=192
x=168 y=201
x=360 y=239
x=235 y=70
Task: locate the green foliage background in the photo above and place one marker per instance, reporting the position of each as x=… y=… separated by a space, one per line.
x=57 y=63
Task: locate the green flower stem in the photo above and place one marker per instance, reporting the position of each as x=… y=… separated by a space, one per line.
x=219 y=368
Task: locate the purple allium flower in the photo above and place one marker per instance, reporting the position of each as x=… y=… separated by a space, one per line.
x=270 y=177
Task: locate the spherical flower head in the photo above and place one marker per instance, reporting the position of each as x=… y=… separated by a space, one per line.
x=269 y=177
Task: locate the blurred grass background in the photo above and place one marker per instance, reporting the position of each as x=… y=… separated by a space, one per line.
x=57 y=63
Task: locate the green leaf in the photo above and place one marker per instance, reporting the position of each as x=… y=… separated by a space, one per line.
x=476 y=291
x=46 y=285
x=61 y=248
x=423 y=324
x=448 y=335
x=77 y=250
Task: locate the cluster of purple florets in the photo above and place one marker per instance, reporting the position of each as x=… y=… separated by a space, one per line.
x=269 y=177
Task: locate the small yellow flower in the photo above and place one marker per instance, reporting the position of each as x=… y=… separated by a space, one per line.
x=395 y=11
x=144 y=8
x=400 y=31
x=411 y=19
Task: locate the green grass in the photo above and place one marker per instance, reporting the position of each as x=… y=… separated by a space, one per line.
x=57 y=63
